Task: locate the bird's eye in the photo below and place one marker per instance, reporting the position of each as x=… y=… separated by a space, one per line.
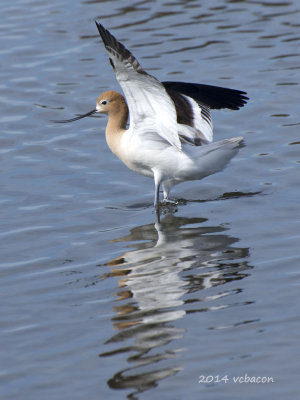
x=103 y=102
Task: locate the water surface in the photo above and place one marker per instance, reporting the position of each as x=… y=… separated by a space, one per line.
x=98 y=299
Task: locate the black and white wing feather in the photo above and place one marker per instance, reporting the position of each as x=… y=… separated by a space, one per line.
x=214 y=97
x=150 y=107
x=193 y=118
x=193 y=103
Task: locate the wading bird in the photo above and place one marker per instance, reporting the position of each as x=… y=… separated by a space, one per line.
x=170 y=134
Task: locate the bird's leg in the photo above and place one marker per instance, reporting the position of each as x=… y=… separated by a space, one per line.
x=157 y=182
x=166 y=189
x=156 y=202
x=156 y=197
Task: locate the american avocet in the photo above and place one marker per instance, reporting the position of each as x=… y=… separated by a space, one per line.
x=170 y=134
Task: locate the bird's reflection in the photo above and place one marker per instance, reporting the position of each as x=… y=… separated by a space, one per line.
x=166 y=265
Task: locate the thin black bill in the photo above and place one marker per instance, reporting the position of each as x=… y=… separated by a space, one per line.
x=62 y=121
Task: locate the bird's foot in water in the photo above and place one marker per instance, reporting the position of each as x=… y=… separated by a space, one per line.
x=175 y=202
x=171 y=206
x=169 y=202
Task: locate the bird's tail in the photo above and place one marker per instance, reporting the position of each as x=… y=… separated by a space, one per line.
x=213 y=157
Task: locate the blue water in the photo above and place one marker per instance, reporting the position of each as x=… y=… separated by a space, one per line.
x=98 y=300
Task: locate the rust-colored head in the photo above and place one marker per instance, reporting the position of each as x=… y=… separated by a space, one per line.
x=110 y=102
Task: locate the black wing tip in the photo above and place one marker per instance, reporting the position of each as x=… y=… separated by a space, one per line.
x=238 y=101
x=118 y=49
x=102 y=31
x=215 y=97
x=110 y=42
x=99 y=26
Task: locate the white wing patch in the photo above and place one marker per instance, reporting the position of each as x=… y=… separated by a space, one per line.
x=201 y=120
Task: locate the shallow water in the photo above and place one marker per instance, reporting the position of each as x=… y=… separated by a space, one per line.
x=100 y=301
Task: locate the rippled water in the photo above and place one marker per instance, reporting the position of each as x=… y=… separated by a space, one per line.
x=100 y=301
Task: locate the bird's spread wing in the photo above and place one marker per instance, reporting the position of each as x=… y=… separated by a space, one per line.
x=195 y=125
x=214 y=97
x=148 y=102
x=193 y=102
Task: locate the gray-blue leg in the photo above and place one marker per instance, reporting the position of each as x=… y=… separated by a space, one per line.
x=157 y=182
x=167 y=185
x=156 y=197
